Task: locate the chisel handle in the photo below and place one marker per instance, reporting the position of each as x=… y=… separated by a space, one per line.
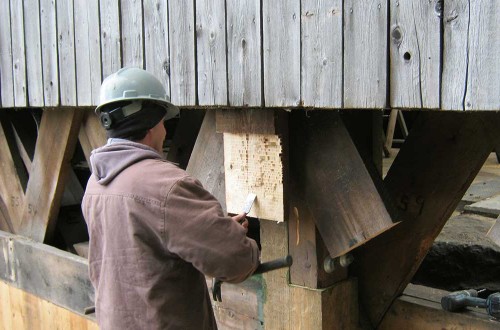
x=274 y=264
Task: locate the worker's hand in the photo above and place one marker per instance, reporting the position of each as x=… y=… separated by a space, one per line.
x=241 y=219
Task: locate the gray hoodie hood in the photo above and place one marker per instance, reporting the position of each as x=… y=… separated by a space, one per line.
x=108 y=161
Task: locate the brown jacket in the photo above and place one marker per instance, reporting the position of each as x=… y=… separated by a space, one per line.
x=154 y=231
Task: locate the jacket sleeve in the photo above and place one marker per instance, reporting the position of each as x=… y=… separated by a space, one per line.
x=198 y=232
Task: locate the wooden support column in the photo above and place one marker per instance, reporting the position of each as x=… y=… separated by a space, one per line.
x=91 y=135
x=432 y=171
x=55 y=145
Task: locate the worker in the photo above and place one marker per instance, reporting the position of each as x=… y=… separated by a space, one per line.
x=155 y=232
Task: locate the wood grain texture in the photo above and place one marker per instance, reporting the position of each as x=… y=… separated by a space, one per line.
x=211 y=52
x=131 y=32
x=483 y=76
x=339 y=191
x=57 y=138
x=110 y=37
x=182 y=52
x=257 y=121
x=365 y=54
x=321 y=69
x=281 y=34
x=6 y=77
x=157 y=58
x=91 y=135
x=415 y=48
x=66 y=52
x=50 y=68
x=32 y=39
x=88 y=59
x=207 y=159
x=244 y=53
x=426 y=191
x=18 y=53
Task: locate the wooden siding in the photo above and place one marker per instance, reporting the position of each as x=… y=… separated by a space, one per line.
x=301 y=53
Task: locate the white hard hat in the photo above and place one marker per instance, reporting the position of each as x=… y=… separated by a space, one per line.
x=134 y=84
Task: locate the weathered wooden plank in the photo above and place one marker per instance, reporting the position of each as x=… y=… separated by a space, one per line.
x=88 y=59
x=6 y=78
x=207 y=159
x=426 y=191
x=32 y=36
x=339 y=191
x=50 y=67
x=489 y=207
x=66 y=51
x=211 y=52
x=182 y=52
x=281 y=34
x=494 y=232
x=365 y=53
x=415 y=53
x=110 y=37
x=156 y=40
x=18 y=53
x=131 y=29
x=321 y=36
x=470 y=70
x=257 y=121
x=244 y=53
x=57 y=137
x=483 y=75
x=49 y=273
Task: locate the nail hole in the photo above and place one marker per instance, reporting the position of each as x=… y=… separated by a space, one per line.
x=407 y=56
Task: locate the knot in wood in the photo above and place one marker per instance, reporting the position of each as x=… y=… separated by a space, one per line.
x=397 y=35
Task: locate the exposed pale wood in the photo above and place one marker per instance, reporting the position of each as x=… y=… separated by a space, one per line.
x=489 y=207
x=186 y=132
x=6 y=78
x=32 y=39
x=365 y=54
x=157 y=58
x=426 y=191
x=321 y=76
x=420 y=308
x=82 y=249
x=182 y=52
x=494 y=232
x=66 y=51
x=211 y=52
x=207 y=159
x=18 y=53
x=54 y=147
x=257 y=121
x=341 y=195
x=52 y=274
x=110 y=36
x=483 y=75
x=252 y=163
x=50 y=68
x=288 y=307
x=415 y=47
x=12 y=193
x=88 y=59
x=281 y=34
x=91 y=135
x=244 y=53
x=131 y=29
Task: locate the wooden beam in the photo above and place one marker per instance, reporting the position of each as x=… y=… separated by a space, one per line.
x=91 y=135
x=207 y=159
x=434 y=168
x=341 y=195
x=55 y=145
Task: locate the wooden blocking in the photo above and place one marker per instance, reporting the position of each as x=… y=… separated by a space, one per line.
x=92 y=135
x=253 y=162
x=440 y=158
x=207 y=159
x=290 y=307
x=54 y=147
x=494 y=232
x=339 y=191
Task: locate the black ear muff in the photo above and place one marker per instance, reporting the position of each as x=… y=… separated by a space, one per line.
x=106 y=120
